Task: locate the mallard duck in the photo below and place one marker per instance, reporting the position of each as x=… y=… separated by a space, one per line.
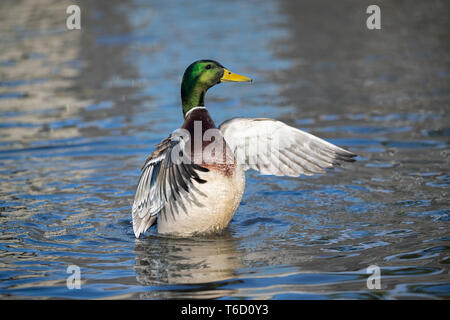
x=194 y=180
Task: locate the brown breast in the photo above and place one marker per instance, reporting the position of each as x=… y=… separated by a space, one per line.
x=208 y=147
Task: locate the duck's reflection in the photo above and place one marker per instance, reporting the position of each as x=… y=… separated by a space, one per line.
x=203 y=260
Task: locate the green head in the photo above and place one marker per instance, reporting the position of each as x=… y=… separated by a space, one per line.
x=199 y=77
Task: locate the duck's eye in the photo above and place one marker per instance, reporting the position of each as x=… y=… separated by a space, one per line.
x=208 y=66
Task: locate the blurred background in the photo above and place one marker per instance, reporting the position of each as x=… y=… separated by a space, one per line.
x=80 y=110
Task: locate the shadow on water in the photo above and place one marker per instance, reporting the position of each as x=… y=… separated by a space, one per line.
x=206 y=262
x=81 y=110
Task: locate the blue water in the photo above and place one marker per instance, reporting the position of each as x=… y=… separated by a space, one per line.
x=81 y=110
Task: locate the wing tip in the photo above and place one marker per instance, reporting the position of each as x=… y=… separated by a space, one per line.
x=341 y=158
x=136 y=224
x=349 y=157
x=136 y=232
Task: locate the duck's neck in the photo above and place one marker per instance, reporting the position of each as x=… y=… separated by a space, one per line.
x=192 y=95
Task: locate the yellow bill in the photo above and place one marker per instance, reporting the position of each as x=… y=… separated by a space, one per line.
x=229 y=76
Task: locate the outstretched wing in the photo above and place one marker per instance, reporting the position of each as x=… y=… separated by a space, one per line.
x=164 y=182
x=274 y=148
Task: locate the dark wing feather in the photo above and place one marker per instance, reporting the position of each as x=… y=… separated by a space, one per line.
x=164 y=185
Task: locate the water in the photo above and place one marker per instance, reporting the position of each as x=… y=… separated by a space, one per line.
x=81 y=110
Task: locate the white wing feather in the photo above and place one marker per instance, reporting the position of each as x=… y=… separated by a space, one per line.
x=274 y=148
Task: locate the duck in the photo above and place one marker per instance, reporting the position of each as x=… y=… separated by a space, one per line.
x=194 y=180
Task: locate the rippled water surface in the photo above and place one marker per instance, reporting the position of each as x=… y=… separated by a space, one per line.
x=81 y=110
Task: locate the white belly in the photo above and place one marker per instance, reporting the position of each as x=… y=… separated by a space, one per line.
x=223 y=196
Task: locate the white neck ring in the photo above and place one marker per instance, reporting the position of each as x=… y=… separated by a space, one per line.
x=194 y=108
